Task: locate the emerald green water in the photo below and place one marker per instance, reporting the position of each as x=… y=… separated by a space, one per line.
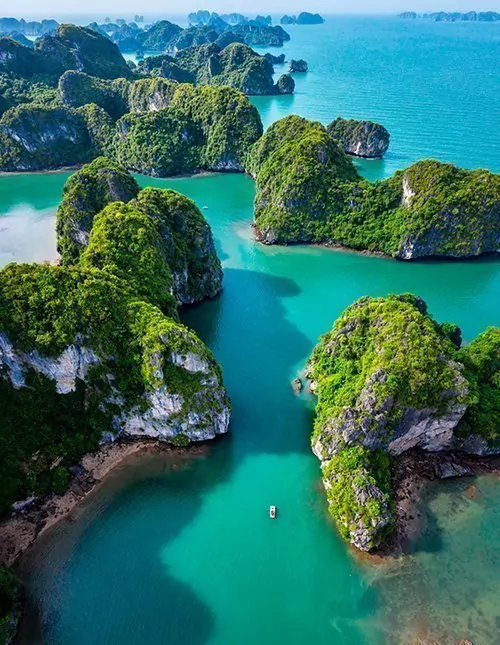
x=185 y=552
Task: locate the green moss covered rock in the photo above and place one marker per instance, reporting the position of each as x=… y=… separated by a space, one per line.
x=360 y=138
x=161 y=36
x=187 y=243
x=357 y=482
x=389 y=378
x=85 y=194
x=235 y=65
x=204 y=128
x=300 y=175
x=37 y=137
x=117 y=97
x=174 y=236
x=81 y=49
x=126 y=242
x=83 y=358
x=77 y=89
x=309 y=191
x=386 y=376
x=285 y=84
x=480 y=426
x=93 y=349
x=172 y=128
x=71 y=47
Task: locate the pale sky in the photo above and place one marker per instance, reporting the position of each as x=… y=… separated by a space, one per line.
x=55 y=8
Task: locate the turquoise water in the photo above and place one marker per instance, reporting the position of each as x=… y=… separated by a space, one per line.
x=188 y=554
x=434 y=86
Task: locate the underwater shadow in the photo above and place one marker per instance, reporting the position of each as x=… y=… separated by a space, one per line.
x=260 y=351
x=87 y=585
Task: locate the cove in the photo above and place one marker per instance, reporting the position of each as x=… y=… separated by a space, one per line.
x=188 y=555
x=191 y=553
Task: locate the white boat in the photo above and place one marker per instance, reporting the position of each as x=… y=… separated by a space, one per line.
x=272 y=512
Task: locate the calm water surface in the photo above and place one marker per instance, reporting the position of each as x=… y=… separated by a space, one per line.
x=188 y=555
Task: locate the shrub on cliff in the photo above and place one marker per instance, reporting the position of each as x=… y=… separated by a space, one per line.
x=125 y=242
x=482 y=362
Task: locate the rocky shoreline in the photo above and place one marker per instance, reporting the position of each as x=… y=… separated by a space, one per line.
x=20 y=531
x=411 y=472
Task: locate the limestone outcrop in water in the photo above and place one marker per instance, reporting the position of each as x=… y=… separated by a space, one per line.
x=298 y=65
x=71 y=47
x=185 y=237
x=236 y=65
x=308 y=191
x=304 y=18
x=388 y=379
x=168 y=129
x=360 y=138
x=93 y=349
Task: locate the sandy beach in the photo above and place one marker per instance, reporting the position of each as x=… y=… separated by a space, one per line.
x=20 y=531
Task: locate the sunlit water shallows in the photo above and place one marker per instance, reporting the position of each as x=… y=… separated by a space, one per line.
x=187 y=554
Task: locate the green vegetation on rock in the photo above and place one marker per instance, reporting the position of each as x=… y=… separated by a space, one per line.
x=170 y=128
x=482 y=364
x=86 y=193
x=93 y=348
x=309 y=191
x=236 y=65
x=357 y=482
x=389 y=378
x=10 y=589
x=126 y=242
x=71 y=47
x=360 y=138
x=38 y=137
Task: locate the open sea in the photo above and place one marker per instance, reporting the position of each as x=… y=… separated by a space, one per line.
x=183 y=552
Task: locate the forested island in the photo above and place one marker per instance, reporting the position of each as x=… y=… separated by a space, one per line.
x=453 y=16
x=308 y=191
x=92 y=349
x=304 y=18
x=388 y=379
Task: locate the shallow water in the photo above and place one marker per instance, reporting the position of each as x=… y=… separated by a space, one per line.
x=189 y=555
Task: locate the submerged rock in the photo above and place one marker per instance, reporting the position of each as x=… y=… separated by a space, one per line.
x=360 y=138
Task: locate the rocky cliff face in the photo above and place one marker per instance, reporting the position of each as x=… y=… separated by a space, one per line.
x=452 y=219
x=36 y=137
x=360 y=138
x=163 y=412
x=388 y=379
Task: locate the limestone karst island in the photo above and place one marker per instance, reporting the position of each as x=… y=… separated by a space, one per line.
x=249 y=324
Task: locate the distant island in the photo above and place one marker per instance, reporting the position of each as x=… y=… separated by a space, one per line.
x=163 y=35
x=453 y=16
x=304 y=18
